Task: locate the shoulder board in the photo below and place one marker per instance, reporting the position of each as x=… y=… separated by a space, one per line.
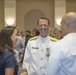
x=54 y=39
x=34 y=38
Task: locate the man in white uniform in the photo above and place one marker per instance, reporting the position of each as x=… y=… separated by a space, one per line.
x=37 y=50
x=62 y=60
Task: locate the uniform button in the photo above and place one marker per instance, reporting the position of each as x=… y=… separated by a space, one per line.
x=34 y=53
x=42 y=41
x=40 y=67
x=42 y=50
x=41 y=58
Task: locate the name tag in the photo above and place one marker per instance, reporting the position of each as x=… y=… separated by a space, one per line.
x=35 y=47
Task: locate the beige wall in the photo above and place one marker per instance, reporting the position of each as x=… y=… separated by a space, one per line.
x=1 y=14
x=24 y=7
x=70 y=5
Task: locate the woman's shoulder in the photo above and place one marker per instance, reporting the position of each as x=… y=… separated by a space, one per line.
x=8 y=54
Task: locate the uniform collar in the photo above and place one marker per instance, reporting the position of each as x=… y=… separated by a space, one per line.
x=70 y=35
x=44 y=39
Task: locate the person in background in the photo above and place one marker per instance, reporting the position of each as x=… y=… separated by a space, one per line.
x=37 y=49
x=8 y=62
x=23 y=35
x=55 y=33
x=18 y=31
x=62 y=60
x=20 y=44
x=28 y=33
x=35 y=32
x=28 y=36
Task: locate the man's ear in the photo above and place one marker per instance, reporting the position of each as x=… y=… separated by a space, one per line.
x=67 y=24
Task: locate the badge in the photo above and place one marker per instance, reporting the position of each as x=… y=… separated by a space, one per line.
x=47 y=52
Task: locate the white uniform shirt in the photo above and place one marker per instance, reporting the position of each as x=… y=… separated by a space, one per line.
x=62 y=60
x=36 y=55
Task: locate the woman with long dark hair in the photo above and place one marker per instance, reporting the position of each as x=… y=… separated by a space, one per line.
x=8 y=63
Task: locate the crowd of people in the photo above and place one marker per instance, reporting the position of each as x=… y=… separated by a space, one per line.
x=40 y=51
